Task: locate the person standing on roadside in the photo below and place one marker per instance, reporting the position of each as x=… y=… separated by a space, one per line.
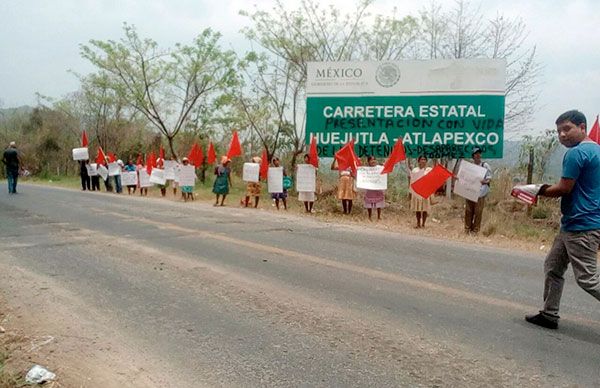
x=86 y=181
x=12 y=161
x=474 y=210
x=579 y=236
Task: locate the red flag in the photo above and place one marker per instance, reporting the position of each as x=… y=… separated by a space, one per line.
x=212 y=156
x=196 y=155
x=161 y=153
x=429 y=183
x=264 y=165
x=595 y=132
x=112 y=157
x=346 y=158
x=150 y=162
x=235 y=149
x=84 y=139
x=101 y=158
x=397 y=155
x=313 y=155
x=139 y=161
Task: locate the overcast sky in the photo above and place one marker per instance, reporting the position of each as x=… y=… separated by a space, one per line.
x=39 y=41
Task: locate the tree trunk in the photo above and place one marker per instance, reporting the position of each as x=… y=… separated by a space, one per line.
x=173 y=153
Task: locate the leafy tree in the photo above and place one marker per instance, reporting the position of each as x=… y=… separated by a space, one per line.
x=165 y=86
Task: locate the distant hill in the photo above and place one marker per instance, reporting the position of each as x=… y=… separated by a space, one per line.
x=511 y=159
x=8 y=112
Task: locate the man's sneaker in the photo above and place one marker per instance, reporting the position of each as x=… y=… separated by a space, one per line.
x=541 y=320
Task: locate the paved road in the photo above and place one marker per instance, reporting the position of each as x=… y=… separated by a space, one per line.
x=238 y=297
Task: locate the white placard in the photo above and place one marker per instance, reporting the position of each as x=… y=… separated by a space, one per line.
x=468 y=182
x=169 y=167
x=114 y=169
x=80 y=153
x=103 y=172
x=187 y=176
x=177 y=173
x=275 y=180
x=129 y=178
x=144 y=178
x=92 y=169
x=158 y=176
x=371 y=178
x=250 y=172
x=306 y=178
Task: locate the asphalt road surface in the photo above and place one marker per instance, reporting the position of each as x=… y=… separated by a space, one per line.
x=240 y=297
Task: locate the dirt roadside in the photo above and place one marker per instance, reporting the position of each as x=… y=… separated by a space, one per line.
x=82 y=353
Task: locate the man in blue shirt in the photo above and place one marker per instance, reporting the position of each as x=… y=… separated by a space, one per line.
x=579 y=236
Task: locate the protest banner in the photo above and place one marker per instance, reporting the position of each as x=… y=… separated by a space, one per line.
x=158 y=176
x=92 y=169
x=81 y=153
x=114 y=169
x=144 y=178
x=187 y=175
x=371 y=178
x=468 y=180
x=129 y=178
x=102 y=171
x=306 y=178
x=170 y=166
x=275 y=180
x=250 y=172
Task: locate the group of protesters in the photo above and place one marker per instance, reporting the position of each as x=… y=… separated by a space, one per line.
x=373 y=200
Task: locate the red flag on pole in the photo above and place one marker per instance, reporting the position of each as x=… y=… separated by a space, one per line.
x=429 y=183
x=397 y=155
x=111 y=157
x=150 y=162
x=161 y=153
x=313 y=155
x=264 y=165
x=235 y=149
x=346 y=158
x=595 y=132
x=196 y=156
x=139 y=161
x=212 y=156
x=84 y=139
x=101 y=158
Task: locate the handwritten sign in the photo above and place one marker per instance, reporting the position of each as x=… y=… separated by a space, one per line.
x=144 y=178
x=370 y=178
x=170 y=166
x=306 y=178
x=80 y=153
x=250 y=172
x=103 y=172
x=158 y=176
x=114 y=169
x=92 y=169
x=187 y=175
x=468 y=184
x=129 y=178
x=275 y=180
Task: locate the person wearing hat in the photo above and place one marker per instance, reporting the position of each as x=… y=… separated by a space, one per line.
x=12 y=161
x=223 y=180
x=253 y=188
x=474 y=210
x=187 y=192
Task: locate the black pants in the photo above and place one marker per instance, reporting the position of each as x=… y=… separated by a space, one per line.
x=86 y=182
x=95 y=183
